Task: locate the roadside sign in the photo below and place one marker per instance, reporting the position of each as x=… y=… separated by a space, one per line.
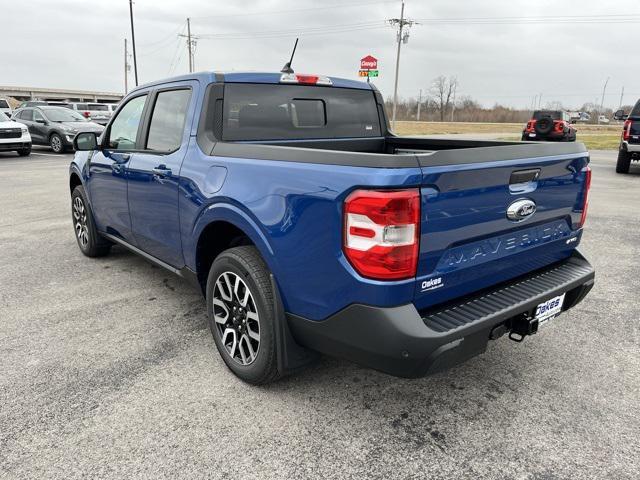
x=368 y=73
x=369 y=63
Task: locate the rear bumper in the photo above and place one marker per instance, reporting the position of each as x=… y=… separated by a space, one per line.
x=404 y=342
x=630 y=147
x=547 y=137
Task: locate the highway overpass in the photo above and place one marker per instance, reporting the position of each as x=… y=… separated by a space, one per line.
x=32 y=93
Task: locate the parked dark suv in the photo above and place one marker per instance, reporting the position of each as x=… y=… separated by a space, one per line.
x=549 y=125
x=630 y=141
x=55 y=126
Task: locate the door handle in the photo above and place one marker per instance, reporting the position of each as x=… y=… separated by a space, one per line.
x=162 y=171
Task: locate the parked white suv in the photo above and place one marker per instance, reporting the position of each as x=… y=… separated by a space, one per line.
x=5 y=107
x=14 y=137
x=96 y=112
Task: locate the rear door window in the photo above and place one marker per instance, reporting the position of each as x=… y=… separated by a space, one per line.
x=287 y=112
x=81 y=106
x=99 y=107
x=167 y=120
x=4 y=104
x=636 y=110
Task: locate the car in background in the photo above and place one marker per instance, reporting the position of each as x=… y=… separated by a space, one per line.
x=60 y=104
x=549 y=125
x=603 y=119
x=620 y=115
x=55 y=126
x=630 y=142
x=33 y=103
x=96 y=112
x=14 y=137
x=5 y=107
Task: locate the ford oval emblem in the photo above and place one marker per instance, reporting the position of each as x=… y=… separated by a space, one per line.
x=520 y=210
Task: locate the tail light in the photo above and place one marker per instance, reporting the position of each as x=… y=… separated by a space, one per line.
x=626 y=131
x=381 y=233
x=585 y=201
x=86 y=114
x=530 y=125
x=560 y=126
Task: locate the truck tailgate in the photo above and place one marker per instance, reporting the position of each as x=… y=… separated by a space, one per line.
x=467 y=241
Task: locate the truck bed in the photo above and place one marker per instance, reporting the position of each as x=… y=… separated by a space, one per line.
x=393 y=151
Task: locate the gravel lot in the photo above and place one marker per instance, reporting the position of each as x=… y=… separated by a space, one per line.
x=108 y=369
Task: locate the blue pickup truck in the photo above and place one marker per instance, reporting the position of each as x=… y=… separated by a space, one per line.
x=310 y=227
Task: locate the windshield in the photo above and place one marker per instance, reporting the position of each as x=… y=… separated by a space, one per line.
x=4 y=118
x=60 y=114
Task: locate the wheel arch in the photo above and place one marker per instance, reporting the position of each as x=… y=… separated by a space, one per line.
x=221 y=228
x=74 y=180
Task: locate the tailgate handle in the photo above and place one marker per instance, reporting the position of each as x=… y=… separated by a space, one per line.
x=524 y=176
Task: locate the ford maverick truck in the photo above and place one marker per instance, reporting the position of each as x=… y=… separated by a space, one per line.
x=310 y=227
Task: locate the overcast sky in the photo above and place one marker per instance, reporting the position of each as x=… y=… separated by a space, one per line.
x=79 y=43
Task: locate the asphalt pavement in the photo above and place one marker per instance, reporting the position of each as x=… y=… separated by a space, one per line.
x=108 y=370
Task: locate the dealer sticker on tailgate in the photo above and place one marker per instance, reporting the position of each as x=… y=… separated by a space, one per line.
x=549 y=309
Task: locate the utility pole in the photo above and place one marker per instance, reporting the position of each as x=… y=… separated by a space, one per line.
x=191 y=43
x=126 y=68
x=401 y=23
x=453 y=104
x=133 y=43
x=419 y=105
x=540 y=102
x=621 y=98
x=604 y=91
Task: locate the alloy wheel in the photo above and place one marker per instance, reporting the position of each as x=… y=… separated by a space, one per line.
x=80 y=222
x=236 y=318
x=56 y=144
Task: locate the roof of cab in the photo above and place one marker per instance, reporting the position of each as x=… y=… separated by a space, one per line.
x=249 y=77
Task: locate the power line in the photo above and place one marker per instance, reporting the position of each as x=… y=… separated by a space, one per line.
x=295 y=10
x=322 y=29
x=171 y=36
x=545 y=20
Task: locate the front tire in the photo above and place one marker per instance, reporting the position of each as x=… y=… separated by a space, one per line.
x=89 y=240
x=56 y=144
x=241 y=316
x=624 y=162
x=24 y=152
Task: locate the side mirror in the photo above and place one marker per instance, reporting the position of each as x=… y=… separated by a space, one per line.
x=85 y=141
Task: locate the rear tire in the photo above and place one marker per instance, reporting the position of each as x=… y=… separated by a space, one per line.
x=241 y=316
x=89 y=240
x=624 y=162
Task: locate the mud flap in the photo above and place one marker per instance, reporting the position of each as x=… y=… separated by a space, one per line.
x=291 y=356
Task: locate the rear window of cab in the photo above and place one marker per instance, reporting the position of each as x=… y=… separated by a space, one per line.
x=293 y=112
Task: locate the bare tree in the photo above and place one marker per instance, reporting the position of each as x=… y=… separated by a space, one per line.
x=442 y=89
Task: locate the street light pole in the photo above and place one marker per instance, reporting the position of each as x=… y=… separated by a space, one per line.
x=189 y=44
x=126 y=68
x=133 y=43
x=419 y=105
